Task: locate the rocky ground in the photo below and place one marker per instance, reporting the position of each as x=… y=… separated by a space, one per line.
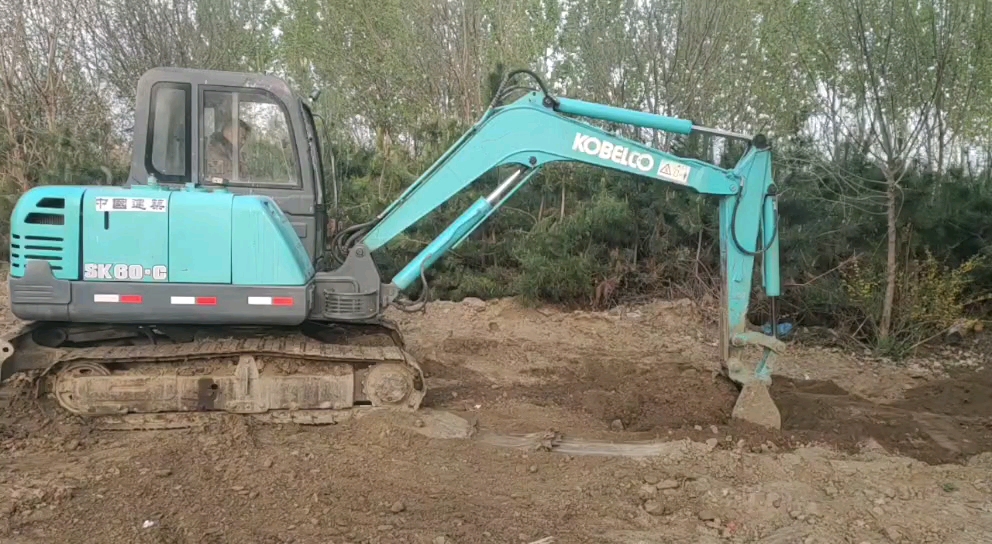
x=643 y=450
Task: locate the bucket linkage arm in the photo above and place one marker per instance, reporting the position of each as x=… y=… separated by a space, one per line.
x=538 y=129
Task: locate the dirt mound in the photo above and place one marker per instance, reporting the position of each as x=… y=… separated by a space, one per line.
x=638 y=398
x=824 y=413
x=965 y=393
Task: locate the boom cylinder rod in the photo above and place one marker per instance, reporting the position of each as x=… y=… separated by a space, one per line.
x=770 y=257
x=640 y=118
x=721 y=133
x=497 y=195
x=457 y=231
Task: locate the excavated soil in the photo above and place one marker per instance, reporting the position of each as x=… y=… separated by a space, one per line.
x=870 y=451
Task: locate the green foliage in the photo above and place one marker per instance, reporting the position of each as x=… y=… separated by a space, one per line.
x=564 y=261
x=931 y=299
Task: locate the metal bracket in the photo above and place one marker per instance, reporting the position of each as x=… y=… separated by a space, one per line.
x=250 y=399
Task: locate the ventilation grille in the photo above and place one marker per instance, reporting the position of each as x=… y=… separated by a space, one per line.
x=40 y=236
x=350 y=305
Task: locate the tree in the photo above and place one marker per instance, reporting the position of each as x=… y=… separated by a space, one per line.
x=880 y=68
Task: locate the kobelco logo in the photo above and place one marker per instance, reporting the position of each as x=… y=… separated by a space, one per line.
x=609 y=151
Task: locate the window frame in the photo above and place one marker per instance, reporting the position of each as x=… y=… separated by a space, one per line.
x=316 y=160
x=150 y=168
x=202 y=144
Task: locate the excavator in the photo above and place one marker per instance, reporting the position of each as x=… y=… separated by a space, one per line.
x=208 y=281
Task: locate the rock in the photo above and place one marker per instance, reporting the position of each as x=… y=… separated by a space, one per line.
x=714 y=429
x=162 y=473
x=397 y=507
x=267 y=463
x=830 y=490
x=647 y=491
x=72 y=445
x=441 y=540
x=712 y=443
x=652 y=479
x=872 y=446
x=654 y=508
x=774 y=499
x=706 y=515
x=532 y=469
x=892 y=533
x=474 y=303
x=668 y=484
x=617 y=425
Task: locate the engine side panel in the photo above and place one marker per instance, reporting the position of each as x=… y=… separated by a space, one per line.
x=200 y=237
x=266 y=249
x=126 y=234
x=45 y=225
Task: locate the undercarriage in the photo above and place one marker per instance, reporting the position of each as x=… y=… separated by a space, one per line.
x=131 y=376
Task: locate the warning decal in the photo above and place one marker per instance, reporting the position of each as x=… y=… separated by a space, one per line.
x=673 y=171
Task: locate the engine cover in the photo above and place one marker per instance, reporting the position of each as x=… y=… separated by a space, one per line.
x=156 y=255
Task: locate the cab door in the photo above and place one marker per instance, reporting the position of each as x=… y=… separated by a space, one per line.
x=249 y=144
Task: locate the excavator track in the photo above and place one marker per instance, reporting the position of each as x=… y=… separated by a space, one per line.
x=174 y=381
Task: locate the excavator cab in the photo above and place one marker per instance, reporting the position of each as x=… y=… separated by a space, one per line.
x=245 y=133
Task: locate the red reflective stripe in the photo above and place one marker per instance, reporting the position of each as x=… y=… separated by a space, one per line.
x=206 y=301
x=131 y=299
x=282 y=301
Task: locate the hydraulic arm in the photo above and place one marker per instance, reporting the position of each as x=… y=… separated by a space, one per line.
x=538 y=129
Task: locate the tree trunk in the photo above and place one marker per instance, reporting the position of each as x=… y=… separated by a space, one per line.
x=891 y=263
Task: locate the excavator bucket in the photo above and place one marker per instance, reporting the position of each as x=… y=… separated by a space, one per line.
x=755 y=405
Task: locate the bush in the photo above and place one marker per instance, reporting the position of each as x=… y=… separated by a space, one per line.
x=930 y=299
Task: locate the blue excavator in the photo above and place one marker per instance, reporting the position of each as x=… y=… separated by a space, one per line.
x=208 y=281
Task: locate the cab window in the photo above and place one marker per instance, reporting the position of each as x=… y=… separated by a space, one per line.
x=167 y=155
x=246 y=140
